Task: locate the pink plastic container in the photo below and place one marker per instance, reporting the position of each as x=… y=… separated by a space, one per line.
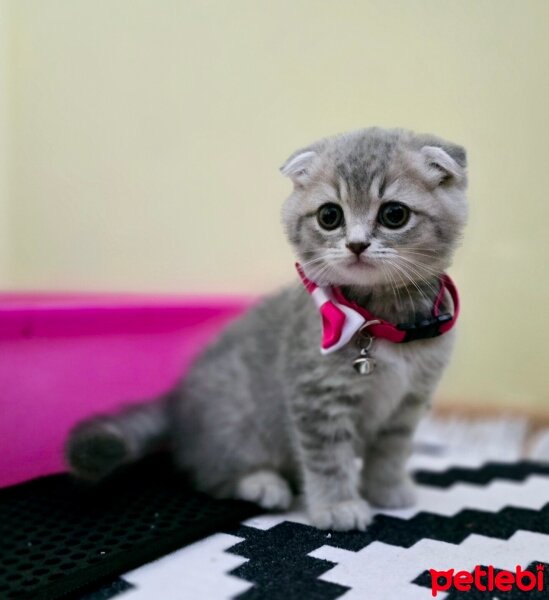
x=63 y=357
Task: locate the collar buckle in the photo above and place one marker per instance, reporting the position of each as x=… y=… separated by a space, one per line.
x=424 y=329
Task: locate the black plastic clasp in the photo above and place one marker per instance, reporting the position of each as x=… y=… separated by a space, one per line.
x=425 y=329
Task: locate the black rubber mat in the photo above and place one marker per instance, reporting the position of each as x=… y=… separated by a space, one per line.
x=59 y=538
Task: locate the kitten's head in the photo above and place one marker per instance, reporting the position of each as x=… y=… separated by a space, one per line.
x=376 y=206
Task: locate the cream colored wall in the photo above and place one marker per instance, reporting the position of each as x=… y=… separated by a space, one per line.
x=147 y=136
x=5 y=232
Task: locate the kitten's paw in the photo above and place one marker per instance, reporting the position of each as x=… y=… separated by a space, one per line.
x=266 y=488
x=95 y=448
x=342 y=516
x=399 y=495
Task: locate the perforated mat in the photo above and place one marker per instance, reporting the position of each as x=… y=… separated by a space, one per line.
x=59 y=537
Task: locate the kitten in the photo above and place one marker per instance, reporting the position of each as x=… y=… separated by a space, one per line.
x=263 y=414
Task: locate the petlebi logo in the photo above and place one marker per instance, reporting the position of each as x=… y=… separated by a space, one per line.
x=487 y=579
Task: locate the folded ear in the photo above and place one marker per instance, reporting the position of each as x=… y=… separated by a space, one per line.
x=298 y=165
x=442 y=164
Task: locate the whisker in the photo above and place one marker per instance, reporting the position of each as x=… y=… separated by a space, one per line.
x=420 y=265
x=416 y=253
x=313 y=260
x=386 y=277
x=406 y=273
x=400 y=272
x=320 y=273
x=395 y=287
x=413 y=268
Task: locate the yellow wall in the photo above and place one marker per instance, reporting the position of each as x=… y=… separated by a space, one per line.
x=146 y=136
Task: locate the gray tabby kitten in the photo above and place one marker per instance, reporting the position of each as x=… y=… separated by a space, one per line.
x=262 y=414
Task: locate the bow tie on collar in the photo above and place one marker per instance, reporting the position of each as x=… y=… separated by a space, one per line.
x=342 y=319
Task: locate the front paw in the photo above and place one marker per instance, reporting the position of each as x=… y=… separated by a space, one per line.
x=401 y=494
x=265 y=488
x=342 y=516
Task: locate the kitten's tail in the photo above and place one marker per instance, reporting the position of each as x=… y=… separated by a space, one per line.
x=99 y=445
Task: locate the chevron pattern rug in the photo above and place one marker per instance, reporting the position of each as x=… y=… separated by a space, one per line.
x=486 y=514
x=476 y=511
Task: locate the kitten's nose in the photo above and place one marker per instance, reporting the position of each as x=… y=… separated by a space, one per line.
x=357 y=247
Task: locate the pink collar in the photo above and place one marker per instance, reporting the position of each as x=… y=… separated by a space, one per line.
x=342 y=319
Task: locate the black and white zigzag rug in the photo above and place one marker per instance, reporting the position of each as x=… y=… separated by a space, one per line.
x=473 y=513
x=491 y=514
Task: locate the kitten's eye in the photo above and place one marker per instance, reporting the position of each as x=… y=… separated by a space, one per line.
x=329 y=216
x=393 y=215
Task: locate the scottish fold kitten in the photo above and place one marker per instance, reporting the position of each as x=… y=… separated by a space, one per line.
x=375 y=215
